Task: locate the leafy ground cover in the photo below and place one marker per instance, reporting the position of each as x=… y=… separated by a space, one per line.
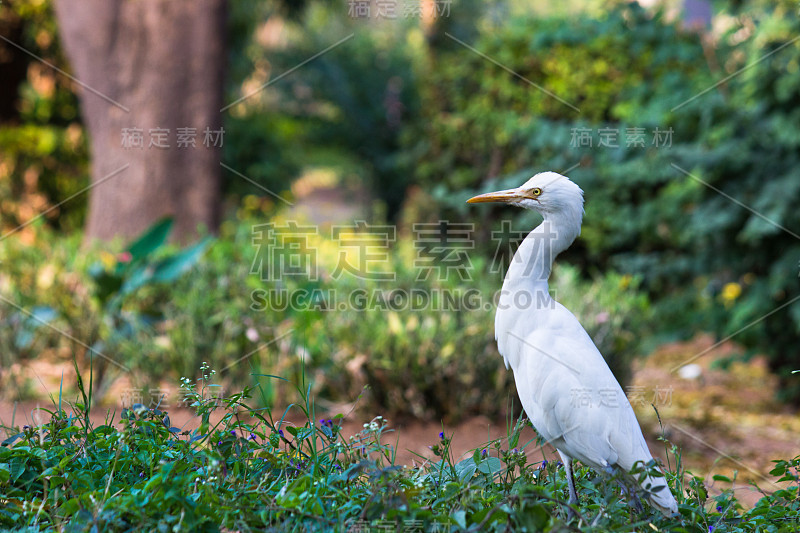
x=248 y=469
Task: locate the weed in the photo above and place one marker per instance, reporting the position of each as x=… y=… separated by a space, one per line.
x=251 y=470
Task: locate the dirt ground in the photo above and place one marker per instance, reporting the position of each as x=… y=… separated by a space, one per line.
x=722 y=421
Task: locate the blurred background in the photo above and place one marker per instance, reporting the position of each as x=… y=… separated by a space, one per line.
x=152 y=152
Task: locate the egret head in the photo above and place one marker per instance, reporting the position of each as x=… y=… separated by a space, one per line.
x=549 y=193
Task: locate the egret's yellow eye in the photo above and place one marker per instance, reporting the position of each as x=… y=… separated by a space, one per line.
x=536 y=191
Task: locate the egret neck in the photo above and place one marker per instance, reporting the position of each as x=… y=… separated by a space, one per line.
x=525 y=288
x=530 y=268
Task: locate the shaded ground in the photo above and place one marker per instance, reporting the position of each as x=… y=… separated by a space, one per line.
x=321 y=199
x=723 y=421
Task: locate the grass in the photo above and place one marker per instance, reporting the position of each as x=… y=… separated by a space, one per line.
x=252 y=470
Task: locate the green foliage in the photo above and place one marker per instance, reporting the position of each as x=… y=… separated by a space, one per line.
x=753 y=158
x=145 y=263
x=434 y=359
x=351 y=101
x=254 y=470
x=258 y=141
x=480 y=121
x=142 y=264
x=112 y=307
x=707 y=221
x=44 y=150
x=402 y=103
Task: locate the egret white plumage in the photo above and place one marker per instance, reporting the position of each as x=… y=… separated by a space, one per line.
x=553 y=358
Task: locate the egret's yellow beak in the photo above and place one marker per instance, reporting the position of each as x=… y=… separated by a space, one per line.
x=497 y=196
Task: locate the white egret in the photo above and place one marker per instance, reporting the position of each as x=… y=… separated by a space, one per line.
x=564 y=384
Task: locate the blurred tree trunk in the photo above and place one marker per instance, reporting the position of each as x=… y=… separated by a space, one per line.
x=149 y=65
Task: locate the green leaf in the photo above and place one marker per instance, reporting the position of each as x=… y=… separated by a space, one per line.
x=12 y=438
x=172 y=267
x=466 y=469
x=151 y=239
x=106 y=284
x=476 y=456
x=17 y=469
x=492 y=465
x=460 y=518
x=536 y=517
x=69 y=507
x=138 y=278
x=779 y=470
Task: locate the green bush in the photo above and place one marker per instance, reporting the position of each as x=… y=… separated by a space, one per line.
x=672 y=214
x=344 y=109
x=254 y=470
x=43 y=149
x=430 y=362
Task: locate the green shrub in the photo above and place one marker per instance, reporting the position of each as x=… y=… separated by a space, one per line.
x=44 y=156
x=254 y=470
x=345 y=109
x=429 y=361
x=707 y=221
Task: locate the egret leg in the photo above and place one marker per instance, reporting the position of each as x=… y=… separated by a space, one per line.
x=573 y=494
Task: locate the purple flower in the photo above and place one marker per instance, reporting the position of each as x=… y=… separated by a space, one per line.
x=441 y=435
x=719 y=508
x=219 y=443
x=544 y=465
x=252 y=436
x=141 y=474
x=280 y=432
x=233 y=432
x=710 y=529
x=559 y=464
x=484 y=452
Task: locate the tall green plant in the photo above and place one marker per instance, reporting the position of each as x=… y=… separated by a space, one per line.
x=145 y=262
